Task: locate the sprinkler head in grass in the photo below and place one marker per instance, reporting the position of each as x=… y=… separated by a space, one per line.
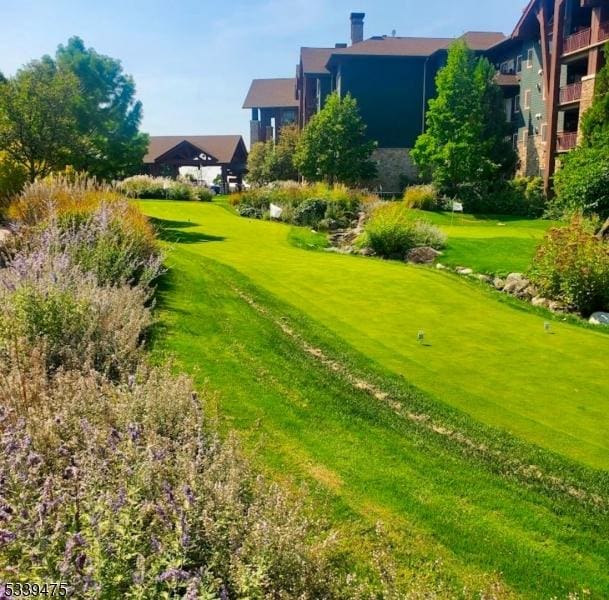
x=421 y=337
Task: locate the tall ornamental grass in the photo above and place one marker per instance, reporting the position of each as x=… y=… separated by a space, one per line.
x=334 y=206
x=391 y=231
x=146 y=186
x=112 y=480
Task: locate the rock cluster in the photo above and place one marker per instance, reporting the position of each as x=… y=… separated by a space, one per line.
x=424 y=255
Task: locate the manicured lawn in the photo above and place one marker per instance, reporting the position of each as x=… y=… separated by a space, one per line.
x=493 y=245
x=483 y=356
x=455 y=524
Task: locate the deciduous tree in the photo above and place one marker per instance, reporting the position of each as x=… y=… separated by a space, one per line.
x=333 y=146
x=108 y=115
x=38 y=124
x=466 y=138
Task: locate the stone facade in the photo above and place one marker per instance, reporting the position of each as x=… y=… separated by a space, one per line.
x=588 y=86
x=393 y=164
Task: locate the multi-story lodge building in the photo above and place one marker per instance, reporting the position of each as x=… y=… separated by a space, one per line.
x=552 y=58
x=273 y=105
x=546 y=67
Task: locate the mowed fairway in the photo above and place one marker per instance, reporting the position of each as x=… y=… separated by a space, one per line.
x=488 y=245
x=486 y=357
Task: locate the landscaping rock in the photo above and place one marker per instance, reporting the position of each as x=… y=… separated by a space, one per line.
x=556 y=306
x=441 y=267
x=485 y=278
x=423 y=255
x=367 y=251
x=530 y=292
x=599 y=318
x=540 y=301
x=465 y=271
x=499 y=283
x=516 y=285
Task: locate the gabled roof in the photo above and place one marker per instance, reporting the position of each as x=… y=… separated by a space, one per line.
x=314 y=60
x=221 y=147
x=271 y=93
x=417 y=46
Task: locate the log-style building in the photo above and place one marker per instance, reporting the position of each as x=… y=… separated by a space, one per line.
x=546 y=67
x=553 y=57
x=167 y=153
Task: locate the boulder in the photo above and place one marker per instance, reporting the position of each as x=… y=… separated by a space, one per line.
x=465 y=271
x=499 y=283
x=485 y=278
x=516 y=285
x=599 y=318
x=440 y=266
x=556 y=306
x=423 y=255
x=367 y=251
x=540 y=301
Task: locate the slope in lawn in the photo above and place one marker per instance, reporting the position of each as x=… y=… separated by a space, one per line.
x=455 y=523
x=483 y=356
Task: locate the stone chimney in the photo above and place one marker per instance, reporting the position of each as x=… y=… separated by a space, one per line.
x=357 y=28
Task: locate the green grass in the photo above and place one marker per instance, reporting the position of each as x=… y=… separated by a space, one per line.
x=485 y=356
x=492 y=245
x=458 y=523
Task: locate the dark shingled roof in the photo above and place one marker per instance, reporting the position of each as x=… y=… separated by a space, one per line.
x=417 y=46
x=221 y=147
x=271 y=93
x=314 y=60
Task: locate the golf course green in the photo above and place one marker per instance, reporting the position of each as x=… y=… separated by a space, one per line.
x=483 y=356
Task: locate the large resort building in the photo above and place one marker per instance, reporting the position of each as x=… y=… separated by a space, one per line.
x=546 y=68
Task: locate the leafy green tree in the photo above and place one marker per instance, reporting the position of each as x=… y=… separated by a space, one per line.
x=465 y=141
x=108 y=115
x=38 y=124
x=333 y=146
x=582 y=182
x=280 y=160
x=270 y=161
x=595 y=121
x=257 y=160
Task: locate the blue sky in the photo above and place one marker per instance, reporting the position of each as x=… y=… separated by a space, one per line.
x=193 y=60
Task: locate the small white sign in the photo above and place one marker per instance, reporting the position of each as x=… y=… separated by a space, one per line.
x=276 y=211
x=457 y=207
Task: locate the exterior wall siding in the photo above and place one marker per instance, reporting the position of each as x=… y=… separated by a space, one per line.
x=389 y=93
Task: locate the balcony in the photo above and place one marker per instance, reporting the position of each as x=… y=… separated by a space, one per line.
x=567 y=140
x=583 y=39
x=577 y=41
x=571 y=93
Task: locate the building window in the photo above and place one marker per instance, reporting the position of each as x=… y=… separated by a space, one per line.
x=288 y=117
x=544 y=132
x=518 y=63
x=517 y=104
x=527 y=99
x=515 y=141
x=508 y=109
x=504 y=68
x=530 y=58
